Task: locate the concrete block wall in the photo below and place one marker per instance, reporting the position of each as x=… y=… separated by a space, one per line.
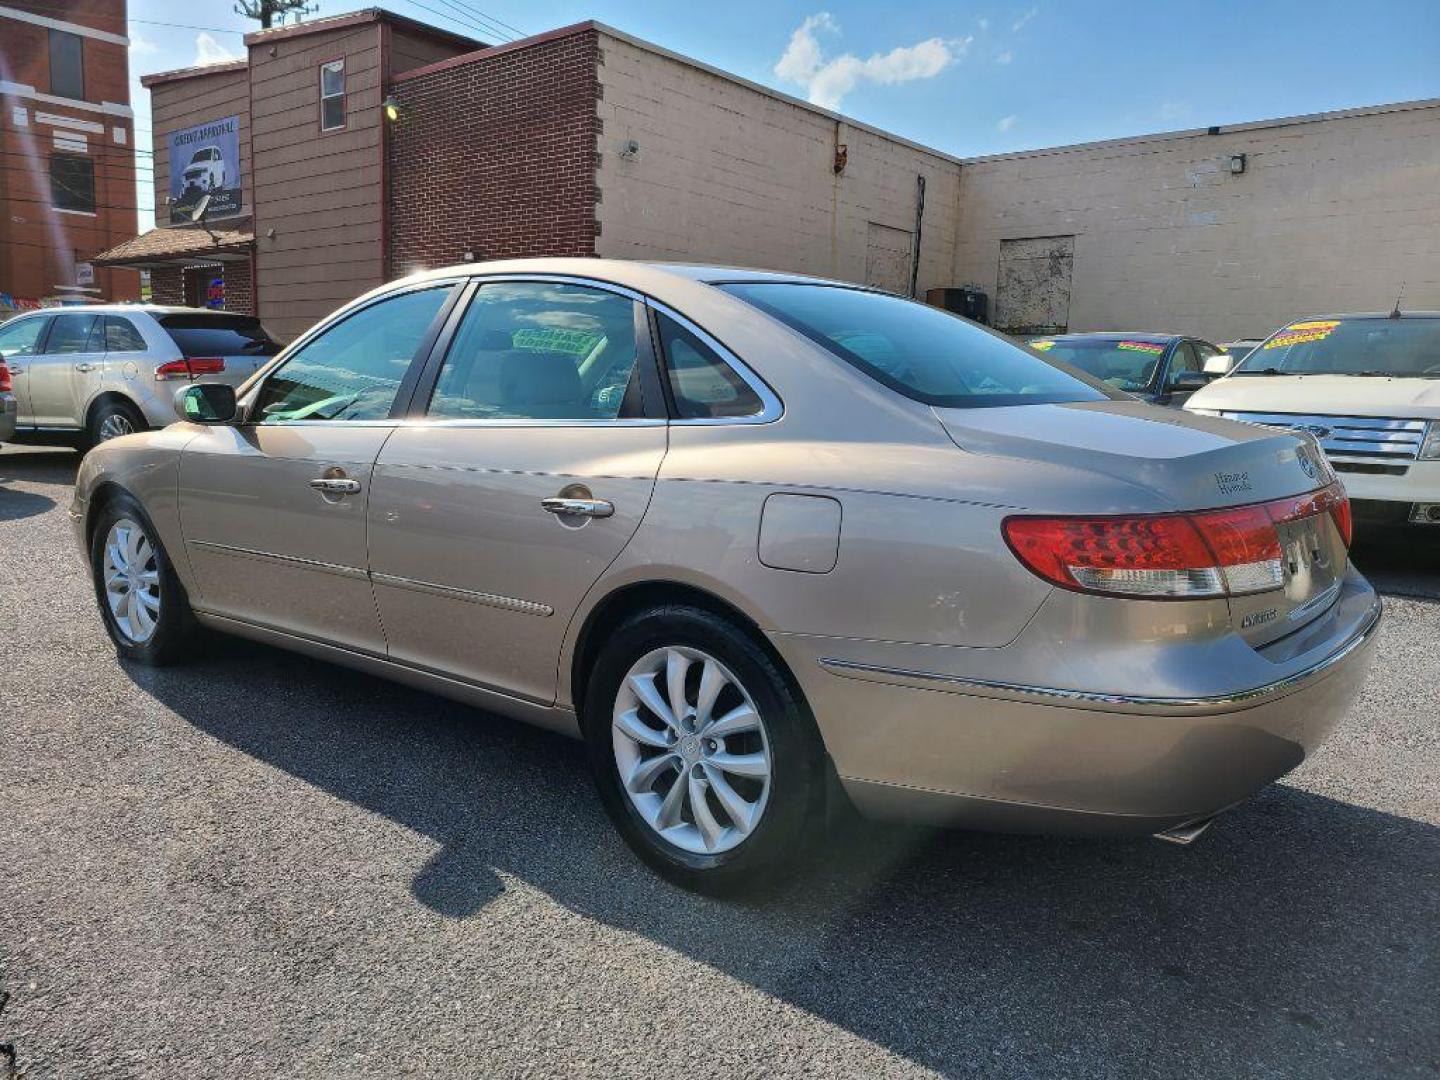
x=1332 y=213
x=729 y=172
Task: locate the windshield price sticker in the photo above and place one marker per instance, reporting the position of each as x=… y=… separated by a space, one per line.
x=1301 y=332
x=1042 y=346
x=1142 y=346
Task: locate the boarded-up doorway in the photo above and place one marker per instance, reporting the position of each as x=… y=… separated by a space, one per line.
x=1032 y=292
x=887 y=258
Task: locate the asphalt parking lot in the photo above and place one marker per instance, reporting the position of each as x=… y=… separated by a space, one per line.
x=260 y=865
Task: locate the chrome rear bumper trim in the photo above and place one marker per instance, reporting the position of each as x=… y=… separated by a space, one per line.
x=1048 y=695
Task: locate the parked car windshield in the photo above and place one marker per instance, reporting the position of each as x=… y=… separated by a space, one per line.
x=920 y=351
x=1404 y=348
x=219 y=335
x=1124 y=363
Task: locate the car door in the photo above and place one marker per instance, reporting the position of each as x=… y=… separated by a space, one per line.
x=273 y=508
x=20 y=342
x=65 y=374
x=519 y=480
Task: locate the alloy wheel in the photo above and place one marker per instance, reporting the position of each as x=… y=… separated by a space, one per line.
x=132 y=580
x=691 y=749
x=115 y=425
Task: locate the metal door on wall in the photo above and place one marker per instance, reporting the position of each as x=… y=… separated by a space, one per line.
x=887 y=258
x=1032 y=294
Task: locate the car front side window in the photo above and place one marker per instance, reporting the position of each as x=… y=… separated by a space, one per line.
x=353 y=369
x=538 y=350
x=20 y=337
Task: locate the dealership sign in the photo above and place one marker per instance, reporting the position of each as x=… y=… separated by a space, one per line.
x=205 y=160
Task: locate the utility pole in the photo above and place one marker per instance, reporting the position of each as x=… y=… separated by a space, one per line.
x=267 y=11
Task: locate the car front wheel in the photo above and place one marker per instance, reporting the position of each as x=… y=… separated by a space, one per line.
x=706 y=758
x=141 y=600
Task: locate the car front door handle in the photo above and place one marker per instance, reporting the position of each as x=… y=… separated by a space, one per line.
x=567 y=507
x=86 y=367
x=335 y=485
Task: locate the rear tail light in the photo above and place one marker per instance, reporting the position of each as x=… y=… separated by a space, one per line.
x=190 y=368
x=1170 y=556
x=5 y=384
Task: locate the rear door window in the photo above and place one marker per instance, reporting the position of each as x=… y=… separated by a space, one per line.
x=70 y=334
x=200 y=335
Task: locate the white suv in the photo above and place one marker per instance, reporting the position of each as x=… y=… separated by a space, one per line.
x=91 y=373
x=206 y=170
x=1368 y=388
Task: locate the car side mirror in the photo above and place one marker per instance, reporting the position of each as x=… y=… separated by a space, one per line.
x=207 y=403
x=1187 y=382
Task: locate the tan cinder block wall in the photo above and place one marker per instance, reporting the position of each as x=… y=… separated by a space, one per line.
x=728 y=172
x=1332 y=214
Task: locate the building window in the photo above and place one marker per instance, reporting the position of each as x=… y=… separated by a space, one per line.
x=72 y=183
x=67 y=65
x=332 y=95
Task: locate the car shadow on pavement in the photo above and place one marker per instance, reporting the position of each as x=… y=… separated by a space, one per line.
x=1297 y=920
x=27 y=466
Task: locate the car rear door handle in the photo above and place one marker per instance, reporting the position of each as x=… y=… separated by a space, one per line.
x=86 y=367
x=15 y=369
x=335 y=485
x=595 y=508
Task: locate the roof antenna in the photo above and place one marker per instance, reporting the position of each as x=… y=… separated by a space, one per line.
x=1395 y=311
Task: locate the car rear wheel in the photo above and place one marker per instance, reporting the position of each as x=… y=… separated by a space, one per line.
x=111 y=419
x=141 y=600
x=706 y=758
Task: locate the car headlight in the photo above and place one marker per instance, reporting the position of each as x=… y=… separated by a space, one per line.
x=1430 y=448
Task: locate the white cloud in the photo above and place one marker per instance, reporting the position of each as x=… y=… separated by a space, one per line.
x=1004 y=57
x=827 y=81
x=983 y=23
x=1023 y=19
x=141 y=46
x=210 y=51
x=1006 y=123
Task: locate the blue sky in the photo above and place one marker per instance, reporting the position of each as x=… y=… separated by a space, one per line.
x=967 y=78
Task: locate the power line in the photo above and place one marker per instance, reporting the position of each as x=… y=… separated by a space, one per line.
x=493 y=29
x=494 y=18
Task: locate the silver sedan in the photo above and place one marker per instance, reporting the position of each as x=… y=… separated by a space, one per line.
x=764 y=542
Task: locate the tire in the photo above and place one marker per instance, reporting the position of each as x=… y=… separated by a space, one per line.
x=776 y=824
x=145 y=571
x=111 y=419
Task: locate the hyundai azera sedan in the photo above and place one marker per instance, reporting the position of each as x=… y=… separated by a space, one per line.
x=764 y=542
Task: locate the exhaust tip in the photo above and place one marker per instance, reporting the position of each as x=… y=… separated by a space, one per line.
x=1187 y=833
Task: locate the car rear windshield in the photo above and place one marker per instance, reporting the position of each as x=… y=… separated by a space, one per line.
x=1124 y=363
x=1404 y=348
x=922 y=352
x=219 y=335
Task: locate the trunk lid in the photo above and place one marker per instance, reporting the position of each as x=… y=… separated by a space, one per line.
x=1186 y=462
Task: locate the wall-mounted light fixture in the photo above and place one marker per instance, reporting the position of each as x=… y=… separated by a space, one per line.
x=1237 y=164
x=391 y=105
x=629 y=149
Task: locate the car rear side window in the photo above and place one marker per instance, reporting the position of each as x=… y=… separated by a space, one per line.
x=121 y=335
x=534 y=350
x=353 y=369
x=922 y=352
x=70 y=334
x=199 y=335
x=702 y=384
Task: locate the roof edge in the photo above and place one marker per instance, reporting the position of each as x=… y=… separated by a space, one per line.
x=227 y=67
x=485 y=52
x=360 y=18
x=1205 y=132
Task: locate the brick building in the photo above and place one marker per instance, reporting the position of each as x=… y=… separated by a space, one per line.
x=372 y=145
x=67 y=162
